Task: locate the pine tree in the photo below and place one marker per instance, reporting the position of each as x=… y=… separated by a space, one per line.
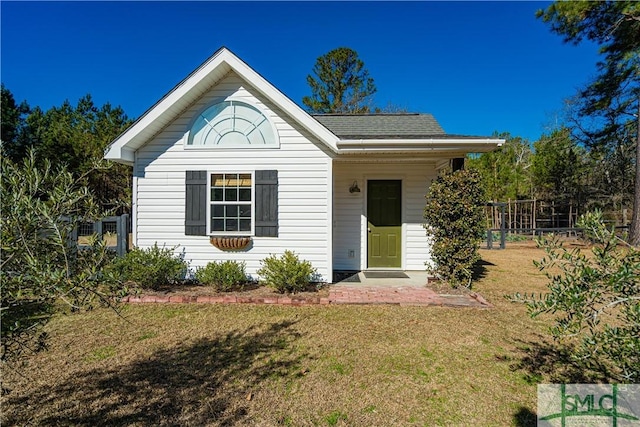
x=341 y=84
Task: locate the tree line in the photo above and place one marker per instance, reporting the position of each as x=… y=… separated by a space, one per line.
x=605 y=115
x=559 y=168
x=73 y=136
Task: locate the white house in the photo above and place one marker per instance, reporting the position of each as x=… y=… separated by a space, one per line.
x=225 y=166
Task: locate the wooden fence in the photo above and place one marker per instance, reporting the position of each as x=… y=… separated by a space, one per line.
x=536 y=217
x=526 y=216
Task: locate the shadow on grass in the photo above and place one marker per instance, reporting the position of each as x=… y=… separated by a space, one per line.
x=542 y=360
x=480 y=269
x=525 y=417
x=204 y=382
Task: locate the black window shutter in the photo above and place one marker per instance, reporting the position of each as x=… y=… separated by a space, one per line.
x=267 y=203
x=195 y=219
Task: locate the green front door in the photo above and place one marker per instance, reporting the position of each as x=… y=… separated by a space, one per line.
x=384 y=216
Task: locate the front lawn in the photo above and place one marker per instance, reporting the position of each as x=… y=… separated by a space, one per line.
x=294 y=366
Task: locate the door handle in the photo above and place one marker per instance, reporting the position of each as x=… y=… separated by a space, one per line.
x=369 y=230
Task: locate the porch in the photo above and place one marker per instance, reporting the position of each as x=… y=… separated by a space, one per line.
x=396 y=287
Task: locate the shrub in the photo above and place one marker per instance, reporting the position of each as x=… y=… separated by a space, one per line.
x=454 y=217
x=222 y=276
x=42 y=270
x=287 y=273
x=596 y=298
x=151 y=267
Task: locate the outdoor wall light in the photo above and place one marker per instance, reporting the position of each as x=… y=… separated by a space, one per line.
x=354 y=187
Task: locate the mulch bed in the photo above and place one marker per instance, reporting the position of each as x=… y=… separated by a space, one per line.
x=443 y=288
x=251 y=291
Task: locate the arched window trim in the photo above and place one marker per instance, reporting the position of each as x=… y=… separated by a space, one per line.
x=188 y=137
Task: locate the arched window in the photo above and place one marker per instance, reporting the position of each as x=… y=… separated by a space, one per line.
x=232 y=124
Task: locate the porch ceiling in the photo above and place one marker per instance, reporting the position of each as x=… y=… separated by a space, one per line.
x=391 y=157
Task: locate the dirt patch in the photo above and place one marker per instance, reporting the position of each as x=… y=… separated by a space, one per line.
x=443 y=288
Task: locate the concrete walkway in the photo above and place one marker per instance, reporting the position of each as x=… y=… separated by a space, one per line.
x=410 y=290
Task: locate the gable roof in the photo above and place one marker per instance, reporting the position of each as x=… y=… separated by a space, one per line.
x=381 y=126
x=185 y=93
x=342 y=134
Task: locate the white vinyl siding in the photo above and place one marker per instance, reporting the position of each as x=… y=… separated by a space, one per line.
x=303 y=181
x=349 y=218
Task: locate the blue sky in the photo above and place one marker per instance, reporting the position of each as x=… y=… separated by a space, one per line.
x=478 y=67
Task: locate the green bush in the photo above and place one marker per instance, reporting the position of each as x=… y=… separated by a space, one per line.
x=222 y=276
x=287 y=273
x=151 y=268
x=595 y=298
x=454 y=217
x=43 y=271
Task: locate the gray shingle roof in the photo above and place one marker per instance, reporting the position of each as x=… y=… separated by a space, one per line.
x=382 y=126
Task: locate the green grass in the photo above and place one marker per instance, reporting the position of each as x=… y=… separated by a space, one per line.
x=147 y=335
x=339 y=367
x=294 y=366
x=334 y=417
x=101 y=353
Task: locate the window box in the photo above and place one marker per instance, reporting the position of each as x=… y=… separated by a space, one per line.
x=230 y=243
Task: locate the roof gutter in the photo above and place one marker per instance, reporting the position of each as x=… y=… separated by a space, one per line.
x=469 y=145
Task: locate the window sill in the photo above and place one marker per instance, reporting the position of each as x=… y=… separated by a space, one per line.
x=230 y=243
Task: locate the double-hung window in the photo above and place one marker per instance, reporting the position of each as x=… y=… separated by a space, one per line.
x=231 y=203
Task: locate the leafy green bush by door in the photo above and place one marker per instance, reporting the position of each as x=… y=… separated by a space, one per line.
x=454 y=217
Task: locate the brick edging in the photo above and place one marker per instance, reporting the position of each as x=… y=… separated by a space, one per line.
x=226 y=299
x=280 y=300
